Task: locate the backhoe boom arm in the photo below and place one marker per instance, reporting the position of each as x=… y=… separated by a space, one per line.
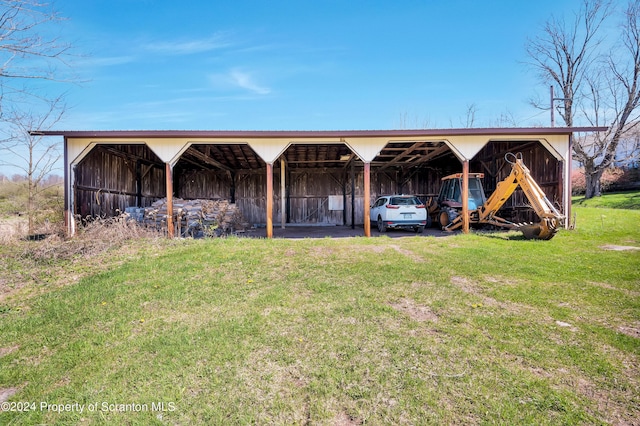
x=550 y=218
x=519 y=176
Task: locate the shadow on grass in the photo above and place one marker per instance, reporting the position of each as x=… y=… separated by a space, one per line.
x=629 y=200
x=502 y=235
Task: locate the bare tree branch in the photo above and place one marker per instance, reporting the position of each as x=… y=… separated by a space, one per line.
x=599 y=84
x=35 y=155
x=30 y=50
x=470 y=119
x=563 y=52
x=32 y=56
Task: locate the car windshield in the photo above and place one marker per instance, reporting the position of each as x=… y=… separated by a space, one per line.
x=404 y=201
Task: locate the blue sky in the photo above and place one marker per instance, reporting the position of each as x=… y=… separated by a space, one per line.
x=302 y=65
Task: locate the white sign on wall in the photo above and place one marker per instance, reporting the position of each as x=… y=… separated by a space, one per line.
x=336 y=202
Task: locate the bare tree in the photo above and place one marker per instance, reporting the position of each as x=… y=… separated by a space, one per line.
x=506 y=119
x=29 y=50
x=614 y=96
x=471 y=116
x=34 y=155
x=33 y=60
x=599 y=83
x=564 y=53
x=629 y=149
x=406 y=122
x=469 y=119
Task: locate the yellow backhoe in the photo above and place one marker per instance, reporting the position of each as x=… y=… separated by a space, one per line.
x=447 y=208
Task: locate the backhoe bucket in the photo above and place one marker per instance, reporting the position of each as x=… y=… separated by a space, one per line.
x=538 y=231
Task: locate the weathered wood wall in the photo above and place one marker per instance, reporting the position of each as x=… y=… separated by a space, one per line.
x=114 y=177
x=206 y=184
x=545 y=169
x=308 y=191
x=308 y=197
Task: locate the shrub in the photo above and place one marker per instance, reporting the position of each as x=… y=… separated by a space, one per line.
x=611 y=178
x=578 y=182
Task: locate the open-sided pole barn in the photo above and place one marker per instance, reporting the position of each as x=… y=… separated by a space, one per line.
x=308 y=177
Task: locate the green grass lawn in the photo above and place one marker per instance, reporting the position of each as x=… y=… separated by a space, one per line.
x=614 y=200
x=467 y=329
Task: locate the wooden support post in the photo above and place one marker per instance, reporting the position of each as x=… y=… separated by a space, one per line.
x=465 y=196
x=560 y=187
x=289 y=197
x=345 y=178
x=169 y=177
x=68 y=212
x=232 y=189
x=367 y=199
x=566 y=195
x=75 y=207
x=353 y=194
x=269 y=200
x=283 y=199
x=138 y=183
x=69 y=193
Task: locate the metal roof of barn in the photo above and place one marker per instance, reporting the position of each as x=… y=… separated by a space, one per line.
x=314 y=133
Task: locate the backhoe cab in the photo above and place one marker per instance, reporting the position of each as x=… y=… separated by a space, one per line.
x=447 y=208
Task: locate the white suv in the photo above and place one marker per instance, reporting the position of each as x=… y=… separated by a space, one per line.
x=399 y=211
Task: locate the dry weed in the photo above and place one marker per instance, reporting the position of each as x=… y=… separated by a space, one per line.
x=33 y=265
x=12 y=229
x=95 y=237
